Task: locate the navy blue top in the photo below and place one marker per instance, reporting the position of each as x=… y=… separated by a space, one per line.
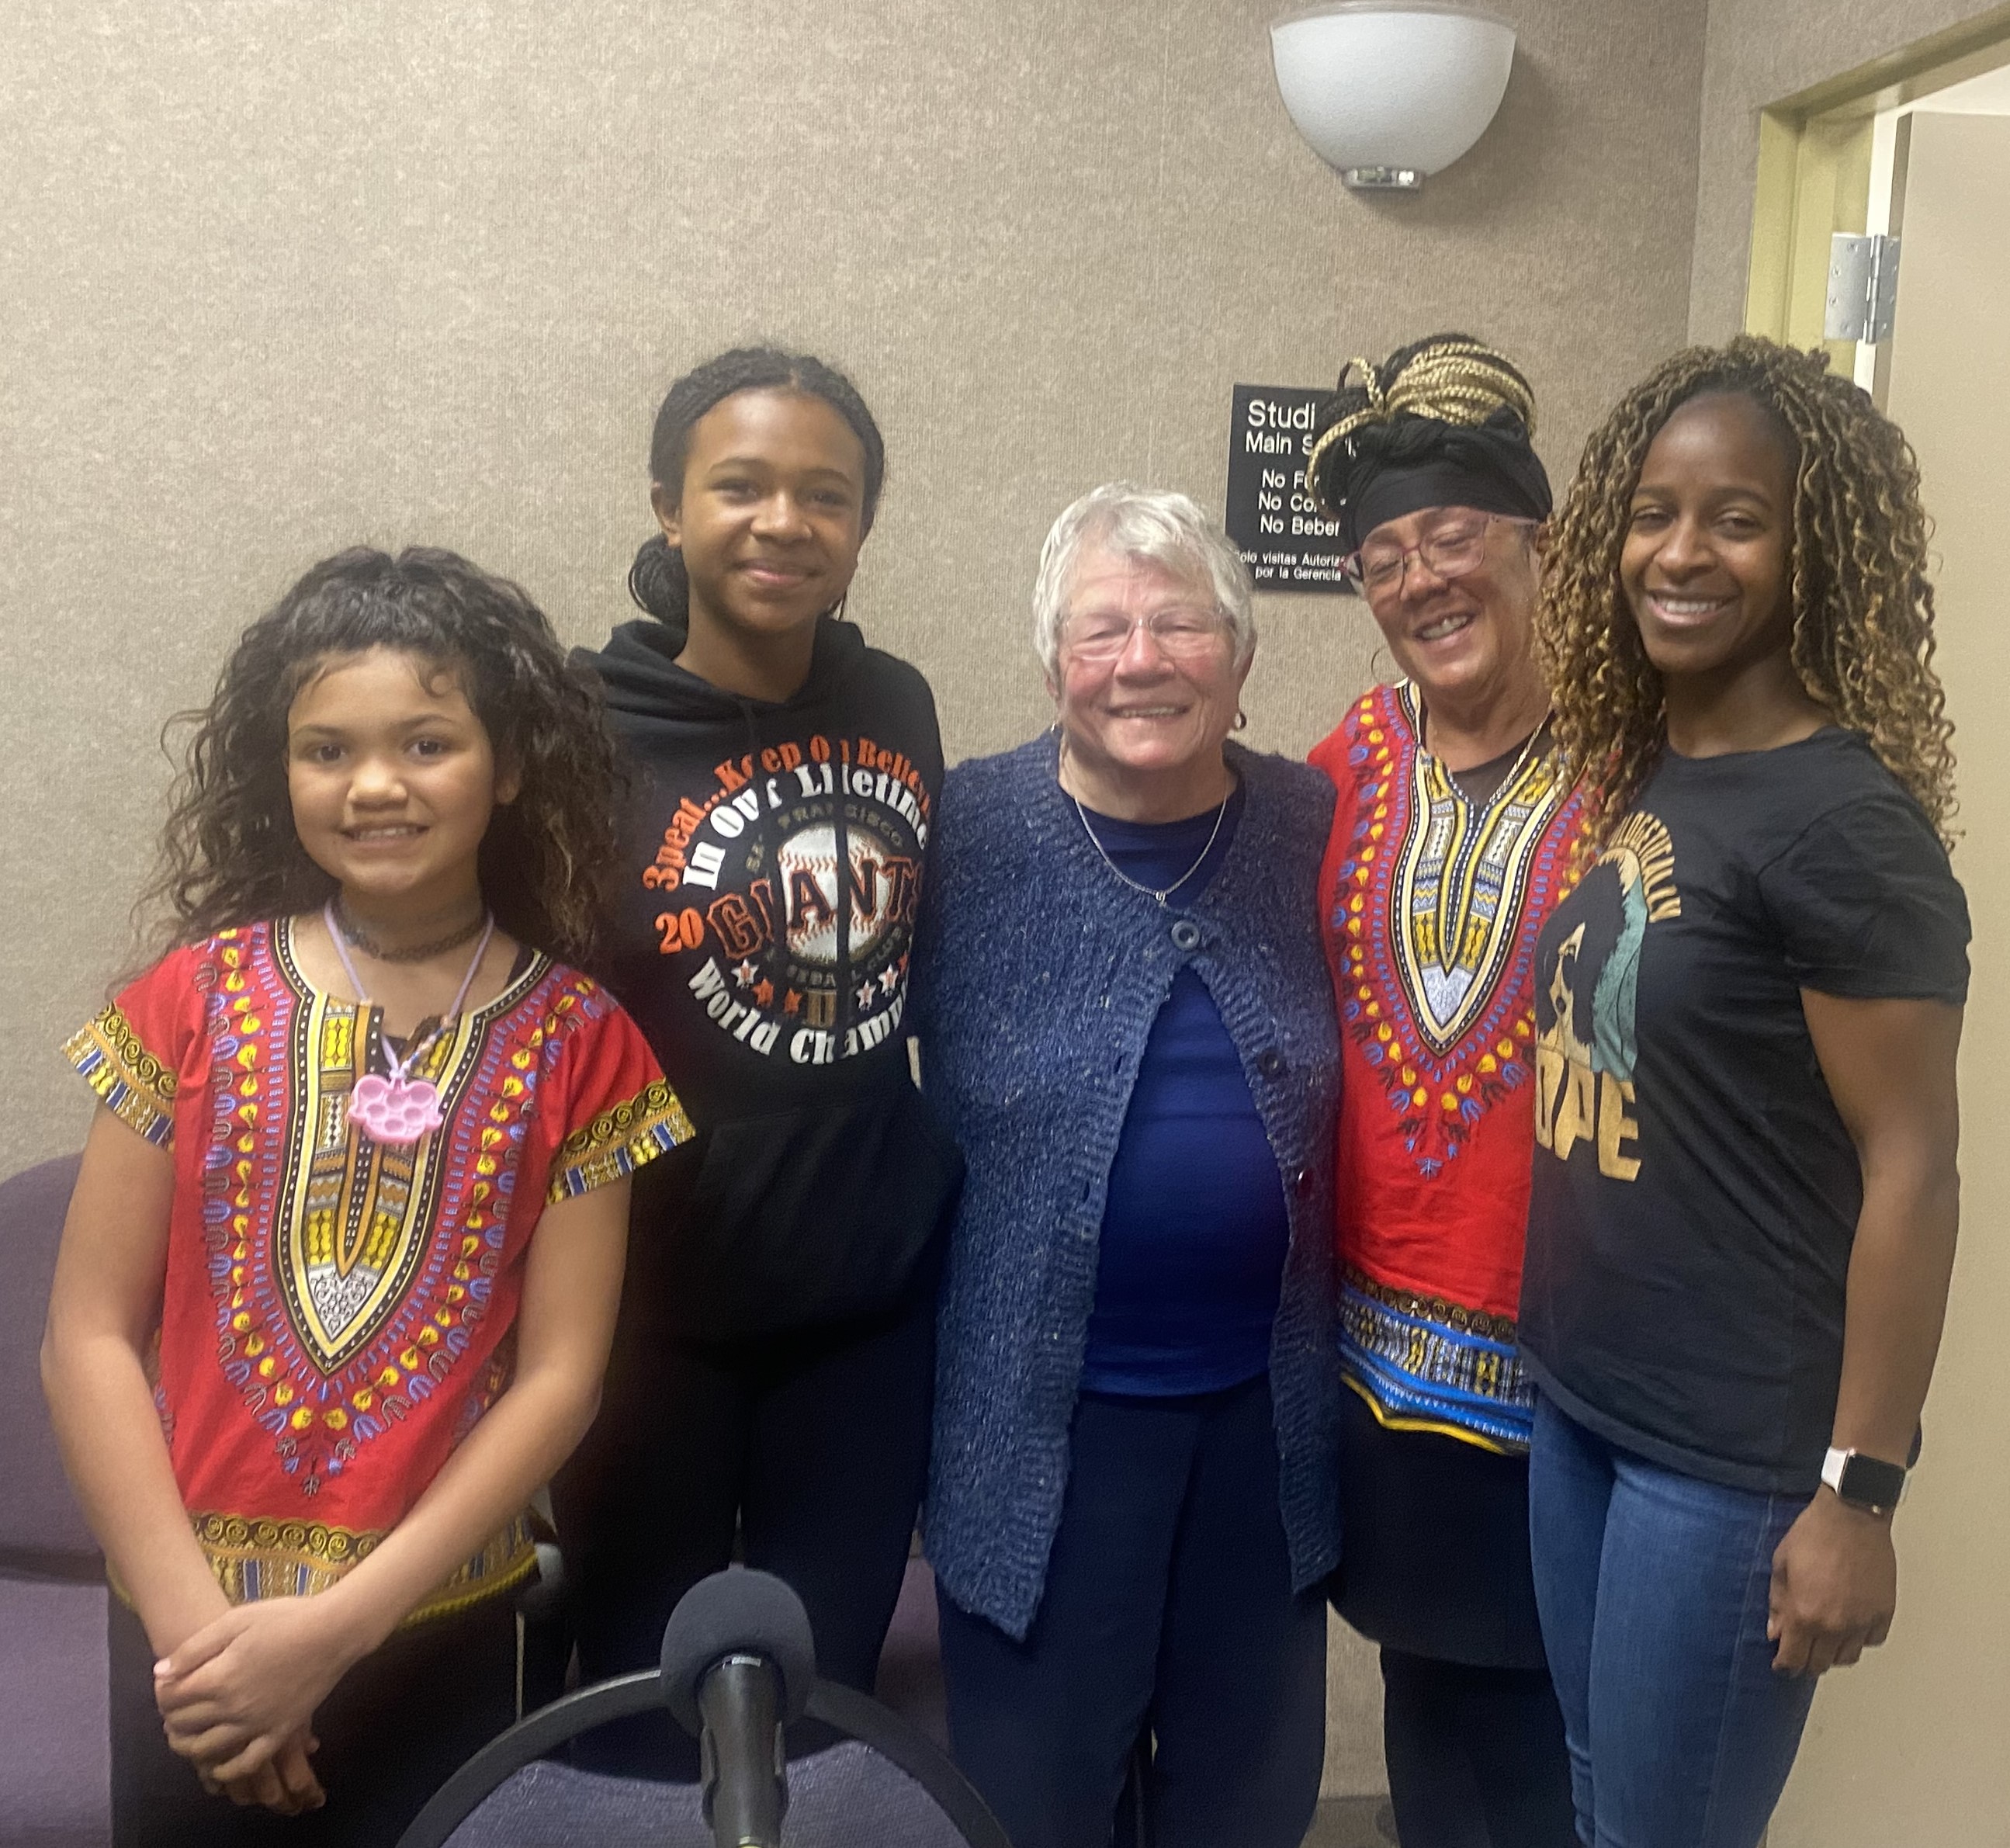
x=1191 y=1256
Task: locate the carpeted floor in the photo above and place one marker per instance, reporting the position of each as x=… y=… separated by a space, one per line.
x=1353 y=1822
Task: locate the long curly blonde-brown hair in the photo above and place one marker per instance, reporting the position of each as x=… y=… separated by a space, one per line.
x=1863 y=608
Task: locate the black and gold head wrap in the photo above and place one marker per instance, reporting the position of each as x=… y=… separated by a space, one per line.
x=1444 y=422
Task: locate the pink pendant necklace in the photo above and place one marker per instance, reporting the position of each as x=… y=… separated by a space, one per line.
x=399 y=1109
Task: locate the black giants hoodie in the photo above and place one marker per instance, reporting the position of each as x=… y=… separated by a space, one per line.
x=763 y=944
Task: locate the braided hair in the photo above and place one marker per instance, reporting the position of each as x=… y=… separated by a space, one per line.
x=657 y=580
x=1445 y=421
x=230 y=855
x=1862 y=608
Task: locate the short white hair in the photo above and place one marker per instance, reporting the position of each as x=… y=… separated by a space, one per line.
x=1158 y=526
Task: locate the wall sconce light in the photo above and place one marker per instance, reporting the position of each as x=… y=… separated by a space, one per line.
x=1390 y=93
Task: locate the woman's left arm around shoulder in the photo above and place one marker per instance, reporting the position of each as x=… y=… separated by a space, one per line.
x=241 y=1686
x=1890 y=1066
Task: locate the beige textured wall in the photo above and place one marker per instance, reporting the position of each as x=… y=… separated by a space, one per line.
x=1759 y=52
x=284 y=277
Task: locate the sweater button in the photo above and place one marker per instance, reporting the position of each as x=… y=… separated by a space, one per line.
x=1302 y=1180
x=1271 y=1062
x=1186 y=935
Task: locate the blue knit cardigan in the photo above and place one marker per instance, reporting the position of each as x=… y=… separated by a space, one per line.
x=1039 y=976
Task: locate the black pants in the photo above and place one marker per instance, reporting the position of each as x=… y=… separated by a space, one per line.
x=392 y=1730
x=813 y=1445
x=1434 y=1566
x=1167 y=1615
x=1475 y=1756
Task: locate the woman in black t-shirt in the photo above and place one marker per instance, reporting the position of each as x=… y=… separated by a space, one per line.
x=1744 y=1197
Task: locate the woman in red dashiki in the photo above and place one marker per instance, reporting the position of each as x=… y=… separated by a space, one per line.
x=1450 y=844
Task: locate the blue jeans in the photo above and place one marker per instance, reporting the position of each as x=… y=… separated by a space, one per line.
x=1653 y=1589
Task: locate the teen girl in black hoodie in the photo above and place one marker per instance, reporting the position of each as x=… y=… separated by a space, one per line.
x=775 y=1365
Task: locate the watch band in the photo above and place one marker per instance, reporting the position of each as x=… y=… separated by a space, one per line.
x=1864 y=1481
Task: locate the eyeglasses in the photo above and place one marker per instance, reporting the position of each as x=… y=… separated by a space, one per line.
x=1184 y=633
x=1455 y=549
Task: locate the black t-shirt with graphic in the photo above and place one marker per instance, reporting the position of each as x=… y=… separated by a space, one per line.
x=1696 y=1193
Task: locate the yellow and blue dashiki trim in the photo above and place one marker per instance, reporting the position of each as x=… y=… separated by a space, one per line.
x=618 y=1141
x=1427 y=1365
x=134 y=1085
x=255 y=1558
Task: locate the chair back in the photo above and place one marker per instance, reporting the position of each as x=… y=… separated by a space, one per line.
x=883 y=1786
x=845 y=1796
x=42 y=1530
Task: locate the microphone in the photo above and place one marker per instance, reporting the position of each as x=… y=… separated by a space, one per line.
x=738 y=1664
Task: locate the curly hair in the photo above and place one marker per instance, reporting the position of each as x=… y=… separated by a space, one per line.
x=656 y=579
x=1862 y=607
x=230 y=855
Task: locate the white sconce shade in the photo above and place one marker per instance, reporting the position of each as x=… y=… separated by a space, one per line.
x=1389 y=94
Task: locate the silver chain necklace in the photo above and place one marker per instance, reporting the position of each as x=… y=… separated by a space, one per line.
x=1137 y=886
x=1513 y=770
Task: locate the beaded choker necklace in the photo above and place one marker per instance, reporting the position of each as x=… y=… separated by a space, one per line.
x=417 y=952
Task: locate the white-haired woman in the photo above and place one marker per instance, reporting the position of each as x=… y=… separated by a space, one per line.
x=1126 y=1018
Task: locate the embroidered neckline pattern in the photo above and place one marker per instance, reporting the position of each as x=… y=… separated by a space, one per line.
x=350 y=1239
x=347 y=1273
x=1436 y=970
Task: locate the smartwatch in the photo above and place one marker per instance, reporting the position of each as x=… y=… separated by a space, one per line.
x=1863 y=1481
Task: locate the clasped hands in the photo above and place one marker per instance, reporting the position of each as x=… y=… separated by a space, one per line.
x=237 y=1698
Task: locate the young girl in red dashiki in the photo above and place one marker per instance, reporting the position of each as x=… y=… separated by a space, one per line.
x=338 y=1279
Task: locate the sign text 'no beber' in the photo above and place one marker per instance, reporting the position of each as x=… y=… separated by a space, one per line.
x=1287 y=543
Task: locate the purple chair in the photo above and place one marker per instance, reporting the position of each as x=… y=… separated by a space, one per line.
x=55 y=1770
x=847 y=1796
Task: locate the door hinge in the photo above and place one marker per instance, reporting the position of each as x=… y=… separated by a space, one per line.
x=1862 y=287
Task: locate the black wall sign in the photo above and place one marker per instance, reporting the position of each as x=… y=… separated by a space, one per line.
x=1284 y=539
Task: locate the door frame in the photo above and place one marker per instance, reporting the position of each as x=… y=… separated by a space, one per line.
x=1814 y=172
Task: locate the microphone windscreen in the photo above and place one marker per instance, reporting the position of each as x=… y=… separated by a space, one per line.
x=737 y=1611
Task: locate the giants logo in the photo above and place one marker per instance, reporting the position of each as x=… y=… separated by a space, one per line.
x=765 y=848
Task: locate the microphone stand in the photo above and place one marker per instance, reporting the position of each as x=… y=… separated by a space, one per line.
x=741 y=1756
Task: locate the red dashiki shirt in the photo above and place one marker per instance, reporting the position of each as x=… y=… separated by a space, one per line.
x=1431 y=905
x=339 y=1313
